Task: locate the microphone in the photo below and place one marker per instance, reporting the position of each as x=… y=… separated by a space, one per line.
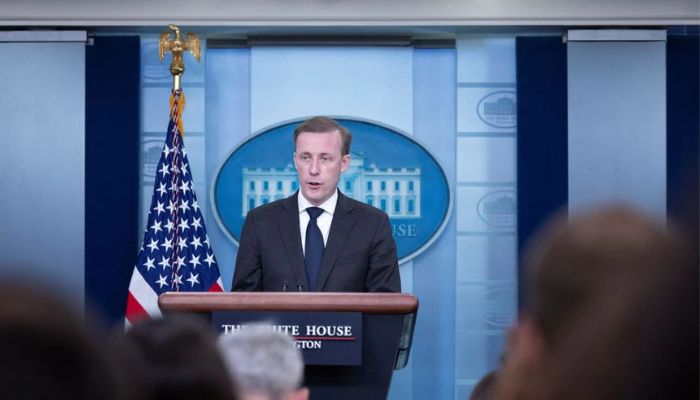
x=300 y=286
x=284 y=286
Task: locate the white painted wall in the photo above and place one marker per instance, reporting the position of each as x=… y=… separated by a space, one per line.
x=42 y=165
x=246 y=13
x=617 y=125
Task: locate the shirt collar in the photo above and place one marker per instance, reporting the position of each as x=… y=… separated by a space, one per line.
x=327 y=206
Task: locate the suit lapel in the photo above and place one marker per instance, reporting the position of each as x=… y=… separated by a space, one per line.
x=289 y=228
x=340 y=231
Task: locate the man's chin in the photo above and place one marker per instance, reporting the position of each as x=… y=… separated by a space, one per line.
x=315 y=197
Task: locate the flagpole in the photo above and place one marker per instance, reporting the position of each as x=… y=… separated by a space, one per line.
x=176 y=254
x=177 y=45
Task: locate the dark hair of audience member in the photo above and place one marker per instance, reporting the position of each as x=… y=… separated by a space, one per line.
x=48 y=352
x=602 y=281
x=175 y=358
x=637 y=342
x=576 y=260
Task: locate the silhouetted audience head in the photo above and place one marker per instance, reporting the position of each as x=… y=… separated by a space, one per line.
x=639 y=342
x=176 y=358
x=47 y=352
x=597 y=263
x=575 y=261
x=264 y=364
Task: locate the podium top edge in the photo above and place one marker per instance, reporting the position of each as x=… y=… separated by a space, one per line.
x=367 y=303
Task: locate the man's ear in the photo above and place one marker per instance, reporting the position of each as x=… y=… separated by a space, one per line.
x=526 y=342
x=521 y=362
x=294 y=160
x=299 y=394
x=345 y=163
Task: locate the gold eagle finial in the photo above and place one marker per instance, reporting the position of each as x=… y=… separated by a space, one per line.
x=177 y=46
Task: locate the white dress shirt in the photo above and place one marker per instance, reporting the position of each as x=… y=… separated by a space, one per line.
x=323 y=221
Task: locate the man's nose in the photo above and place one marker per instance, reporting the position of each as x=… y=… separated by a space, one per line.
x=315 y=166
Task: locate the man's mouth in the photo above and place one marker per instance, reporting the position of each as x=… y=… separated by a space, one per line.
x=314 y=185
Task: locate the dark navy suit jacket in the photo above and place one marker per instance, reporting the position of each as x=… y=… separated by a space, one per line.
x=360 y=254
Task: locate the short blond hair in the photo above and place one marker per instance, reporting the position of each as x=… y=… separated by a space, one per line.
x=322 y=125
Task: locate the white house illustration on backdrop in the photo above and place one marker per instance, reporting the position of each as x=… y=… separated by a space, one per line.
x=395 y=191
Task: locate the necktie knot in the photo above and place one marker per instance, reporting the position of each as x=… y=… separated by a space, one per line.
x=314 y=212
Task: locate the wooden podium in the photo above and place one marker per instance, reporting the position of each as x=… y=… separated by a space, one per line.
x=388 y=320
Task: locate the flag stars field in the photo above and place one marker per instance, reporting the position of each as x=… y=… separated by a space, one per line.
x=209 y=260
x=156 y=227
x=149 y=263
x=153 y=246
x=167 y=244
x=193 y=279
x=196 y=224
x=164 y=170
x=164 y=262
x=162 y=190
x=194 y=261
x=163 y=281
x=170 y=226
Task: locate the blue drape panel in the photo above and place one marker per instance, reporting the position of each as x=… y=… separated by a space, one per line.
x=683 y=128
x=111 y=172
x=542 y=166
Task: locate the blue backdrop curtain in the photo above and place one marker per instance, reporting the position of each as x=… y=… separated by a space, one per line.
x=683 y=127
x=542 y=149
x=112 y=98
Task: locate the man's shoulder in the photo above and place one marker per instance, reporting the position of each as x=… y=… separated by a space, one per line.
x=363 y=209
x=274 y=208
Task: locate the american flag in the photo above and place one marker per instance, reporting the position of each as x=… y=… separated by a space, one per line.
x=176 y=254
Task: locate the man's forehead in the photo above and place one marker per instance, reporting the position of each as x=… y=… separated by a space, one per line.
x=320 y=137
x=332 y=131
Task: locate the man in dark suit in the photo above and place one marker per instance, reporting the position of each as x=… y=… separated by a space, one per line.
x=317 y=239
